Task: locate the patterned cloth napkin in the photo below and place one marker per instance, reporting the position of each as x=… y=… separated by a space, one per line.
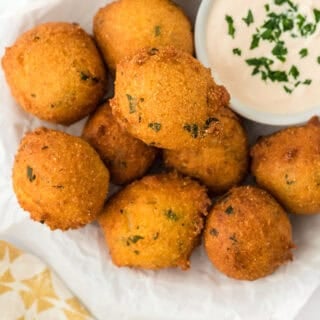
x=31 y=291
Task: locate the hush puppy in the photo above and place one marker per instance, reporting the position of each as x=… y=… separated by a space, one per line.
x=123 y=27
x=127 y=158
x=166 y=98
x=247 y=234
x=59 y=179
x=287 y=164
x=219 y=163
x=155 y=222
x=55 y=72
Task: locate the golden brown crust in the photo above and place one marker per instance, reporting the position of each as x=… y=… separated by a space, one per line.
x=59 y=179
x=287 y=164
x=155 y=222
x=55 y=72
x=123 y=27
x=126 y=157
x=248 y=235
x=166 y=93
x=220 y=163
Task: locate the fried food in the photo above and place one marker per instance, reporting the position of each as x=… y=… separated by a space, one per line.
x=155 y=222
x=219 y=163
x=59 y=179
x=126 y=157
x=55 y=72
x=287 y=164
x=248 y=234
x=166 y=98
x=123 y=27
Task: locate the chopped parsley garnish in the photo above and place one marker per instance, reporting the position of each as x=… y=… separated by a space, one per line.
x=303 y=52
x=155 y=126
x=170 y=214
x=229 y=210
x=294 y=72
x=231 y=28
x=249 y=18
x=157 y=31
x=132 y=103
x=287 y=19
x=30 y=175
x=316 y=13
x=84 y=76
x=233 y=238
x=237 y=51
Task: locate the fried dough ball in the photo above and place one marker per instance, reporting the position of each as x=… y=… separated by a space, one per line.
x=55 y=72
x=126 y=157
x=248 y=234
x=125 y=26
x=166 y=98
x=220 y=163
x=59 y=179
x=287 y=164
x=155 y=222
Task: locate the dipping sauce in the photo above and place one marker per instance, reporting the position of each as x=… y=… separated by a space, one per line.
x=267 y=52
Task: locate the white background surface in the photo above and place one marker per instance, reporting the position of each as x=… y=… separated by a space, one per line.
x=80 y=257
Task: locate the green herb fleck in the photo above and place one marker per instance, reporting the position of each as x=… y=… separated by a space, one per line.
x=231 y=28
x=279 y=51
x=255 y=41
x=287 y=89
x=134 y=239
x=193 y=129
x=209 y=121
x=153 y=51
x=171 y=215
x=214 y=232
x=233 y=238
x=157 y=31
x=229 y=210
x=288 y=181
x=59 y=186
x=303 y=52
x=155 y=126
x=307 y=82
x=30 y=174
x=316 y=13
x=294 y=72
x=237 y=51
x=132 y=103
x=267 y=7
x=84 y=76
x=137 y=252
x=318 y=59
x=249 y=19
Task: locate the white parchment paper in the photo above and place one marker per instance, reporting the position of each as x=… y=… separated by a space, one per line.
x=81 y=258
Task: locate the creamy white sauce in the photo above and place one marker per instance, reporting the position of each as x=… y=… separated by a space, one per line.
x=233 y=71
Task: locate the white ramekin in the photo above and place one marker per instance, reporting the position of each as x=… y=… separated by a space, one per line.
x=246 y=111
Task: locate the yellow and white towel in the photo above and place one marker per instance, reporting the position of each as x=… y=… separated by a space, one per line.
x=30 y=291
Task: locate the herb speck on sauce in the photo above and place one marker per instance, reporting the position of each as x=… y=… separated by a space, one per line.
x=249 y=18
x=231 y=28
x=237 y=51
x=134 y=239
x=303 y=53
x=214 y=232
x=193 y=129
